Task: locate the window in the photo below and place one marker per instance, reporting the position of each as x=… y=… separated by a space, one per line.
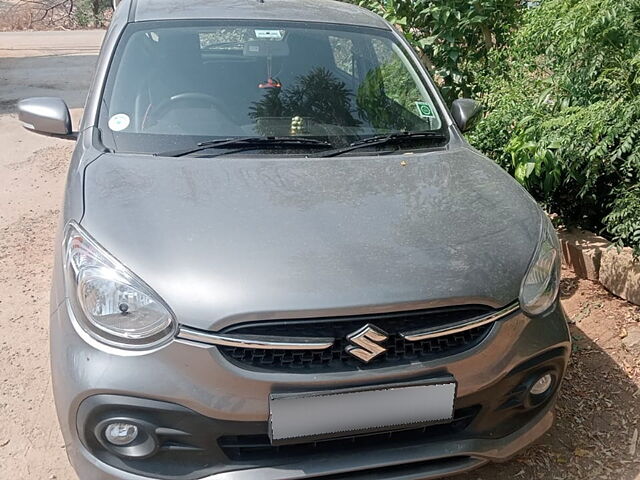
x=342 y=53
x=173 y=84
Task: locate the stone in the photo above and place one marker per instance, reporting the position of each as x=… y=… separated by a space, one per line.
x=582 y=252
x=632 y=340
x=620 y=274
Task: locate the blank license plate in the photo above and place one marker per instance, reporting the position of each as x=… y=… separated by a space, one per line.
x=296 y=417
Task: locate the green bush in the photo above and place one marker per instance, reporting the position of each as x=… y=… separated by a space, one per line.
x=453 y=37
x=92 y=13
x=560 y=85
x=564 y=112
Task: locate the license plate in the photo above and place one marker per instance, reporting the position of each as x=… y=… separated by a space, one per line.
x=316 y=415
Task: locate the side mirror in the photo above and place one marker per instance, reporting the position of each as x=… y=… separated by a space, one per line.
x=46 y=115
x=466 y=113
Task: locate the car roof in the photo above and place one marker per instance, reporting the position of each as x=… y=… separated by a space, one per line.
x=321 y=11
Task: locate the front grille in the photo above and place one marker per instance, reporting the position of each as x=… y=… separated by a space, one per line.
x=399 y=350
x=257 y=448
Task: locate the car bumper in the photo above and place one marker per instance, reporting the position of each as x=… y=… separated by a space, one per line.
x=213 y=396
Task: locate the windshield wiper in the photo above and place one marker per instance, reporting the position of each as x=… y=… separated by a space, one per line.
x=240 y=143
x=390 y=139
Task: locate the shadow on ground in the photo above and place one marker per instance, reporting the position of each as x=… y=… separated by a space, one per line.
x=597 y=412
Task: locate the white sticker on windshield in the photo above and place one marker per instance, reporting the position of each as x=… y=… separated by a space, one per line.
x=273 y=34
x=119 y=122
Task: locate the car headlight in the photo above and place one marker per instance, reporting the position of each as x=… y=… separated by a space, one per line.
x=111 y=303
x=540 y=285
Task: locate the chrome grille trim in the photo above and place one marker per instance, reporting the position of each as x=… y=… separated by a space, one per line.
x=322 y=343
x=255 y=341
x=434 y=332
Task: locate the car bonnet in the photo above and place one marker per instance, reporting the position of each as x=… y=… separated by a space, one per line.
x=228 y=239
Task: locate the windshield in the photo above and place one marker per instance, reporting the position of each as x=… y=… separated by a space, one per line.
x=174 y=84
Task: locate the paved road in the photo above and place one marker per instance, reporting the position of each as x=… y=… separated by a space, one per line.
x=598 y=408
x=47 y=63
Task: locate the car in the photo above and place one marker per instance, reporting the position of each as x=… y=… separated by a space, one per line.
x=279 y=258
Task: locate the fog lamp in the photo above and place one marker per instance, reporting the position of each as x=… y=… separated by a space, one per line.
x=120 y=433
x=542 y=385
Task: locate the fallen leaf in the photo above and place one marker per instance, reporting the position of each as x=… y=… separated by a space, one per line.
x=581 y=452
x=634 y=443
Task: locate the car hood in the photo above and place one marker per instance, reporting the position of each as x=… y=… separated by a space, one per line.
x=229 y=239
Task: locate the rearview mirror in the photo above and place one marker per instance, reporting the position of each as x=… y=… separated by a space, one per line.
x=466 y=113
x=265 y=48
x=46 y=115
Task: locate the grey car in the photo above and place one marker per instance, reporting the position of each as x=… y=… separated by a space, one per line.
x=278 y=258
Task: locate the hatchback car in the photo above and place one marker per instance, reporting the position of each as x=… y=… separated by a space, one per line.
x=278 y=258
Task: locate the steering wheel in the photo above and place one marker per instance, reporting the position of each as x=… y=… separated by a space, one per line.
x=154 y=113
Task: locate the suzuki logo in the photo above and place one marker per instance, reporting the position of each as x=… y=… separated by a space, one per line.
x=366 y=343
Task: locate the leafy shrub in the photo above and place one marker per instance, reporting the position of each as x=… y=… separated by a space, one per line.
x=622 y=222
x=564 y=114
x=453 y=37
x=51 y=14
x=560 y=83
x=92 y=13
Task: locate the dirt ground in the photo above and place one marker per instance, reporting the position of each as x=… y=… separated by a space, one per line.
x=32 y=172
x=598 y=410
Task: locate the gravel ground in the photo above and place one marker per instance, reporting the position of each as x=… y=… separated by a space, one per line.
x=598 y=410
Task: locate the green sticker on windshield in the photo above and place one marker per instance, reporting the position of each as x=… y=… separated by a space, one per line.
x=424 y=110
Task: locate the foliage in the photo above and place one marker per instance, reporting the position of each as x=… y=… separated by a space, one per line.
x=46 y=14
x=31 y=14
x=92 y=12
x=564 y=115
x=306 y=98
x=560 y=84
x=623 y=220
x=397 y=83
x=386 y=97
x=453 y=37
x=385 y=100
